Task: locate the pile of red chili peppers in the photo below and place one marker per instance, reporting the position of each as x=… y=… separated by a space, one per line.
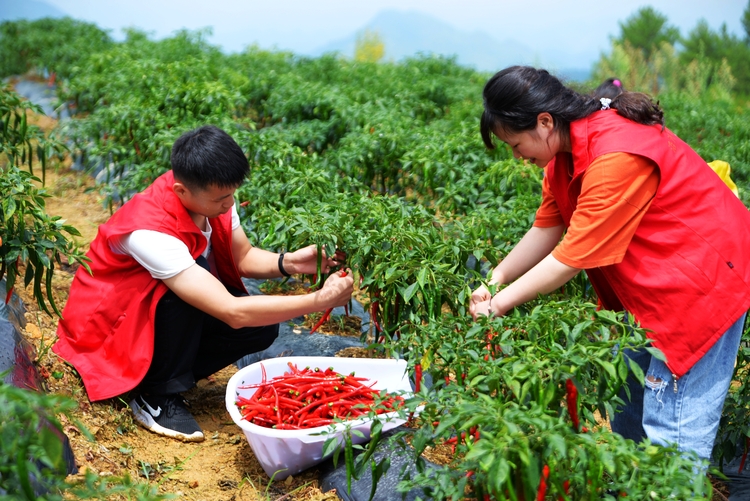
x=308 y=398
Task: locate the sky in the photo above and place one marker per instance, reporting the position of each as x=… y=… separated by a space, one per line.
x=302 y=26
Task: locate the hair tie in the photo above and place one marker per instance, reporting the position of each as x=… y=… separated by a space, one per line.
x=605 y=102
x=616 y=83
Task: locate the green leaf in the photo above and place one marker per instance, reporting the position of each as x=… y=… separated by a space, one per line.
x=329 y=447
x=9 y=207
x=409 y=292
x=637 y=371
x=53 y=448
x=422 y=276
x=656 y=353
x=609 y=367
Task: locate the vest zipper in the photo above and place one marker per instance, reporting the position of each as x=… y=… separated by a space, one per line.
x=674 y=378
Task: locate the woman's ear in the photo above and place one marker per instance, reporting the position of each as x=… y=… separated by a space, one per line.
x=545 y=121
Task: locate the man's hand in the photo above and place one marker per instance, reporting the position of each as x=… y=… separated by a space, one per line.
x=337 y=290
x=305 y=260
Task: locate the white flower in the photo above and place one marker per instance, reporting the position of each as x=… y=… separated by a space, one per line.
x=605 y=102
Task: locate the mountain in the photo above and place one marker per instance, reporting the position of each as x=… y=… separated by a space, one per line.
x=10 y=10
x=407 y=33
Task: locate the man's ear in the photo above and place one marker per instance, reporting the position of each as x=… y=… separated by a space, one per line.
x=180 y=190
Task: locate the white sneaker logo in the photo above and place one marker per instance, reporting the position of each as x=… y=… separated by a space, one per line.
x=154 y=412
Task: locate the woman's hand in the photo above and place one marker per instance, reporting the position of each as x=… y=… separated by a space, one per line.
x=481 y=295
x=481 y=310
x=337 y=290
x=305 y=260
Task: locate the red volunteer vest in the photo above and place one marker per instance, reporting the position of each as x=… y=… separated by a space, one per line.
x=686 y=273
x=107 y=329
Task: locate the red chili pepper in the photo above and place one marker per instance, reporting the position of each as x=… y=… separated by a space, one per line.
x=374 y=315
x=322 y=320
x=417 y=377
x=327 y=314
x=7 y=296
x=566 y=489
x=542 y=491
x=571 y=395
x=744 y=456
x=319 y=395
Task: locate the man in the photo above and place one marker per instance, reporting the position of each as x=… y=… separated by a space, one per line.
x=165 y=305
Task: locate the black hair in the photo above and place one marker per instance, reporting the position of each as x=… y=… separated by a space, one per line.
x=208 y=156
x=610 y=88
x=514 y=98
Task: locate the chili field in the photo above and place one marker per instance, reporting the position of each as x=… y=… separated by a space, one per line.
x=385 y=162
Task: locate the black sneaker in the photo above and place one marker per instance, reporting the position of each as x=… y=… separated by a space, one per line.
x=166 y=415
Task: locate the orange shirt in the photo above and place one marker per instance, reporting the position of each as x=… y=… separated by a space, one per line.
x=616 y=191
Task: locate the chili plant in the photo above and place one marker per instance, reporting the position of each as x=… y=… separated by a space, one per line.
x=501 y=395
x=29 y=237
x=32 y=466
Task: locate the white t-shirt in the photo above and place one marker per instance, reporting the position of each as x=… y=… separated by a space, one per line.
x=164 y=256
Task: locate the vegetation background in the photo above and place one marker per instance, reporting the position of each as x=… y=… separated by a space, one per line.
x=383 y=160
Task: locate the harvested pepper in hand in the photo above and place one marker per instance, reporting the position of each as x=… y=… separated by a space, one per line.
x=327 y=314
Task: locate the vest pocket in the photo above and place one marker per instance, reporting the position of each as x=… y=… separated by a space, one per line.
x=693 y=273
x=118 y=322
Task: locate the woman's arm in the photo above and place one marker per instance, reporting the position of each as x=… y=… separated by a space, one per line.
x=537 y=243
x=545 y=277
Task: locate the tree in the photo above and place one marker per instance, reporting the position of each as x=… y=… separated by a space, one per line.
x=369 y=47
x=646 y=30
x=703 y=43
x=746 y=22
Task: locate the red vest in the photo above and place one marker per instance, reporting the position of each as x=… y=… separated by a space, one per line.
x=686 y=273
x=107 y=329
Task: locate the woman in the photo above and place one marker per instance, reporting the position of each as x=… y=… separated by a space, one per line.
x=657 y=231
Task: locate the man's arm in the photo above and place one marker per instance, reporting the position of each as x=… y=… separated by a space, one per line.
x=253 y=262
x=199 y=288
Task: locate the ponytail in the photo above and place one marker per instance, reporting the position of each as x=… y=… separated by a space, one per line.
x=515 y=96
x=634 y=106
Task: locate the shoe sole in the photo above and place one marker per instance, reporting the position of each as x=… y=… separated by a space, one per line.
x=145 y=419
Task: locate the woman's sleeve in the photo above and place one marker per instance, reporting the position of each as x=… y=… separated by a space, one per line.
x=548 y=214
x=616 y=191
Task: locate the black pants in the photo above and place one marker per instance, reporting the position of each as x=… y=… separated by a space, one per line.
x=190 y=345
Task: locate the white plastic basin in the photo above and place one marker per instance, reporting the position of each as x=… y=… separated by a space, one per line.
x=288 y=452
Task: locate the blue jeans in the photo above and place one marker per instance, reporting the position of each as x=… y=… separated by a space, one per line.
x=689 y=415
